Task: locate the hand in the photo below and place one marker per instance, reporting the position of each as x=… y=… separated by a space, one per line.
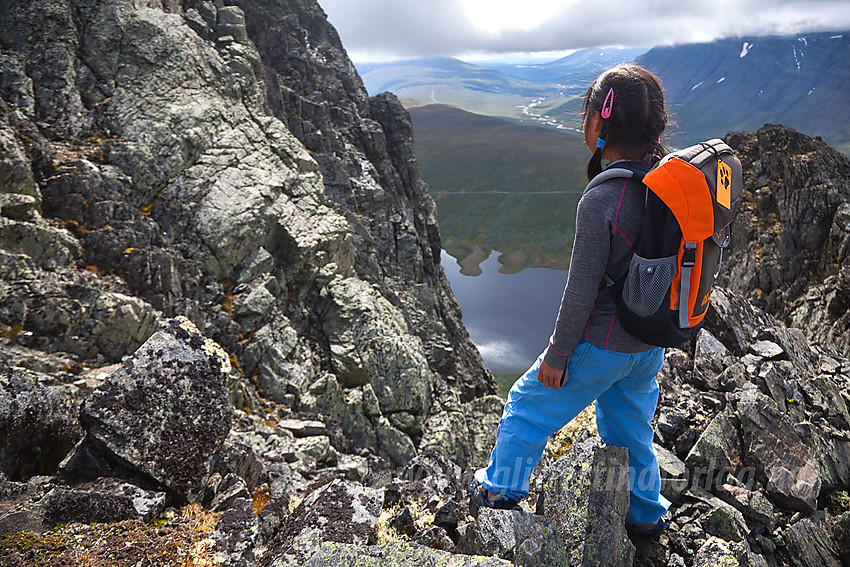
x=550 y=377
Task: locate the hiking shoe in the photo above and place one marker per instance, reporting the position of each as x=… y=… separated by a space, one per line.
x=480 y=497
x=649 y=530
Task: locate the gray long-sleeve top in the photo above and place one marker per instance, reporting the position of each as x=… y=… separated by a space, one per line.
x=608 y=221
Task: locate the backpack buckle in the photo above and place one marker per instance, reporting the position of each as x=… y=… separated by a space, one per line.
x=689 y=255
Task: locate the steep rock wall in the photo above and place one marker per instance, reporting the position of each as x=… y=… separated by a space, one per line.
x=791 y=239
x=148 y=169
x=364 y=147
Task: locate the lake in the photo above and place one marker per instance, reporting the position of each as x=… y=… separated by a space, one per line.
x=509 y=316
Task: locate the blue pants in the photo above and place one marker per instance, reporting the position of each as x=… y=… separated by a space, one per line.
x=626 y=395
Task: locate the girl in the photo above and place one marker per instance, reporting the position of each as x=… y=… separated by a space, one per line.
x=590 y=357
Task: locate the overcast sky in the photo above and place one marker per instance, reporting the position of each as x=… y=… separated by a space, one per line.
x=375 y=30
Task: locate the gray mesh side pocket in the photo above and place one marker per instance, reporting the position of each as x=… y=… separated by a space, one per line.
x=647 y=283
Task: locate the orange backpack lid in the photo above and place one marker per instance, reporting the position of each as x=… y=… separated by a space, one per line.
x=685 y=191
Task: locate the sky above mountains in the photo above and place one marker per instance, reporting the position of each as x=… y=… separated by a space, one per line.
x=381 y=30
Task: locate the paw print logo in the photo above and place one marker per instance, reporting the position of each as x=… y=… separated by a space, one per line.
x=724 y=185
x=725 y=177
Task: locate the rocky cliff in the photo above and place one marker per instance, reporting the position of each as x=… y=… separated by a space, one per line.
x=225 y=163
x=220 y=290
x=791 y=241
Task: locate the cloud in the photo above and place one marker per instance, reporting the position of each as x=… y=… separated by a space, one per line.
x=384 y=29
x=400 y=28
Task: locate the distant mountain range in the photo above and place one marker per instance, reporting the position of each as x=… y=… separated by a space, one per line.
x=741 y=84
x=712 y=88
x=456 y=83
x=578 y=68
x=519 y=92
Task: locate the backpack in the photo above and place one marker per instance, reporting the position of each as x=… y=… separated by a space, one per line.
x=691 y=198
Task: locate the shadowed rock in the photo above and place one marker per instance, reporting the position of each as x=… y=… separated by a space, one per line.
x=38 y=424
x=809 y=543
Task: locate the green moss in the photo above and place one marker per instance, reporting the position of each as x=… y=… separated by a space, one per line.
x=49 y=545
x=839 y=502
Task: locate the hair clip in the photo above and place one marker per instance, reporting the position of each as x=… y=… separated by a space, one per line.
x=608 y=104
x=600 y=143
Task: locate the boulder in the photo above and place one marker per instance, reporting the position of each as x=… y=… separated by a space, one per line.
x=404 y=522
x=340 y=511
x=227 y=491
x=163 y=413
x=716 y=552
x=725 y=522
x=235 y=536
x=522 y=538
x=435 y=537
x=675 y=476
x=779 y=455
x=734 y=321
x=107 y=501
x=391 y=555
x=710 y=359
x=754 y=505
x=19 y=510
x=586 y=493
x=42 y=503
x=715 y=448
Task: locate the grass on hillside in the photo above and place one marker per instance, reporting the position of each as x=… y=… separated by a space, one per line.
x=500 y=186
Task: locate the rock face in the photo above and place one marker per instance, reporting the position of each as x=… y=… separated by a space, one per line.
x=791 y=238
x=229 y=168
x=364 y=148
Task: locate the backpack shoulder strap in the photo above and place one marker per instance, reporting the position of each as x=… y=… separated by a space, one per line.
x=613 y=173
x=622 y=170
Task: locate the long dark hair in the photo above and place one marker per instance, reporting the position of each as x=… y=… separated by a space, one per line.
x=638 y=117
